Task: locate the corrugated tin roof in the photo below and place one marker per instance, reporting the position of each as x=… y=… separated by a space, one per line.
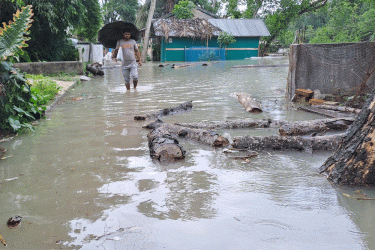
x=241 y=27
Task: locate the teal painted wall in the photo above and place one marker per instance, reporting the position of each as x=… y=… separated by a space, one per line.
x=169 y=52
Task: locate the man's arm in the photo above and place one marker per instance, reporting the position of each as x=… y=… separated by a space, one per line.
x=138 y=56
x=115 y=51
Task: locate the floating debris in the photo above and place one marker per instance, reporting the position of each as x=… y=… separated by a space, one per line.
x=14 y=221
x=2 y=152
x=3 y=241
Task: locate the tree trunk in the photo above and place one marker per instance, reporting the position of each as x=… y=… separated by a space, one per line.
x=306 y=127
x=325 y=112
x=339 y=108
x=95 y=69
x=310 y=144
x=163 y=146
x=249 y=103
x=243 y=123
x=147 y=30
x=200 y=135
x=353 y=163
x=167 y=111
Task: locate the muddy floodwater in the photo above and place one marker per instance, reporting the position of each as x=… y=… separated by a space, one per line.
x=84 y=179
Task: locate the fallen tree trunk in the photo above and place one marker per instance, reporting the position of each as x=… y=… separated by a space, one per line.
x=259 y=66
x=95 y=69
x=167 y=111
x=339 y=108
x=181 y=66
x=243 y=123
x=328 y=113
x=323 y=125
x=353 y=163
x=329 y=142
x=249 y=103
x=204 y=136
x=163 y=146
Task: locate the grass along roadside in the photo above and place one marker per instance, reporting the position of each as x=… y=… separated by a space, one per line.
x=45 y=91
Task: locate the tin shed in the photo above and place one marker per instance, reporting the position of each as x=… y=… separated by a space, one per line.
x=177 y=35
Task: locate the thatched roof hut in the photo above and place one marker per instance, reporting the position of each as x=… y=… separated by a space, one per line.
x=196 y=28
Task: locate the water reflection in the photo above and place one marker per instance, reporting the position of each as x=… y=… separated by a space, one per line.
x=85 y=179
x=190 y=197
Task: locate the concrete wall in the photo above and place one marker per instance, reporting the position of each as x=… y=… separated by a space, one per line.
x=96 y=53
x=337 y=69
x=50 y=67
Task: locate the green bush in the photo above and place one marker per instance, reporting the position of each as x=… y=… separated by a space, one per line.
x=18 y=106
x=225 y=39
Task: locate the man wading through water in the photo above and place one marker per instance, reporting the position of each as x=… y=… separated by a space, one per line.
x=131 y=57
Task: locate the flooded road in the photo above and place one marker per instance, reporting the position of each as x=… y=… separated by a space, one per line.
x=85 y=180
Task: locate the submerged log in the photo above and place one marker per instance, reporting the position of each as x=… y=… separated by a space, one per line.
x=325 y=112
x=339 y=108
x=353 y=163
x=260 y=66
x=250 y=104
x=174 y=66
x=95 y=69
x=243 y=123
x=167 y=111
x=204 y=136
x=323 y=125
x=328 y=142
x=163 y=146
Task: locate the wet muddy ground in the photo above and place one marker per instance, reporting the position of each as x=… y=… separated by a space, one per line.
x=85 y=180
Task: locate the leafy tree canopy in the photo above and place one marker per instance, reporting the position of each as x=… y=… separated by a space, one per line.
x=125 y=10
x=52 y=19
x=184 y=9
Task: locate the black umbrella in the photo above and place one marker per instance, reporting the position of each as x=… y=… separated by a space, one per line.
x=112 y=32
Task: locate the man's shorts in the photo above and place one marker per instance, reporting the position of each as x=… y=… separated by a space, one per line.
x=130 y=71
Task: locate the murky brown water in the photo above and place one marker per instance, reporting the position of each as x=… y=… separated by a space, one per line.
x=85 y=180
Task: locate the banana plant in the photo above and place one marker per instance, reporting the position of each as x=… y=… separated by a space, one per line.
x=16 y=106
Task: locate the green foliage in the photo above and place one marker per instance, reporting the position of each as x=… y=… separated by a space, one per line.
x=232 y=9
x=52 y=19
x=225 y=39
x=12 y=38
x=115 y=10
x=43 y=89
x=17 y=106
x=91 y=22
x=184 y=9
x=338 y=21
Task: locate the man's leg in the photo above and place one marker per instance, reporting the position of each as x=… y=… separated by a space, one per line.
x=134 y=75
x=126 y=74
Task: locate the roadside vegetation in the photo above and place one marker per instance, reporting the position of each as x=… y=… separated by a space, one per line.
x=20 y=102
